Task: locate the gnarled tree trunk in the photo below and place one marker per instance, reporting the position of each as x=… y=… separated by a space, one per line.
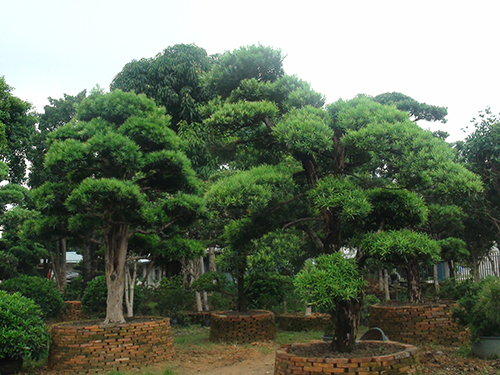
x=115 y=247
x=346 y=318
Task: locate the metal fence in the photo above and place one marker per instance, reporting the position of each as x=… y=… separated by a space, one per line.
x=487 y=266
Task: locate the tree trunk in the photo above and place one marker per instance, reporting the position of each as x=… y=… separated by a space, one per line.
x=88 y=260
x=284 y=298
x=436 y=279
x=475 y=266
x=199 y=307
x=115 y=250
x=130 y=288
x=346 y=322
x=413 y=278
x=58 y=260
x=242 y=298
x=205 y=301
x=381 y=280
x=451 y=268
x=386 y=286
x=211 y=260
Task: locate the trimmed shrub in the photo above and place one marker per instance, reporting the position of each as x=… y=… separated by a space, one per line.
x=173 y=298
x=95 y=297
x=22 y=331
x=40 y=290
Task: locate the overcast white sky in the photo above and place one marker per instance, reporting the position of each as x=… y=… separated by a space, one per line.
x=440 y=52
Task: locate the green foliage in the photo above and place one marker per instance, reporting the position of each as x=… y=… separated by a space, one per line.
x=305 y=130
x=95 y=296
x=96 y=293
x=460 y=290
x=222 y=291
x=22 y=329
x=454 y=249
x=74 y=289
x=418 y=111
x=172 y=78
x=400 y=246
x=17 y=128
x=397 y=209
x=486 y=311
x=259 y=62
x=8 y=265
x=342 y=196
x=42 y=291
x=172 y=298
x=369 y=300
x=329 y=279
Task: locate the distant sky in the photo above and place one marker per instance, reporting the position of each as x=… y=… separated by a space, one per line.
x=440 y=52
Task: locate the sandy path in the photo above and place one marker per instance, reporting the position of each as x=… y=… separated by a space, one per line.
x=256 y=366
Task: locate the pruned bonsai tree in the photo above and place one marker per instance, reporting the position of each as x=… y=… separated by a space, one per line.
x=335 y=283
x=130 y=175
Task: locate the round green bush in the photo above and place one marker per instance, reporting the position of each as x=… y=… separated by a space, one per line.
x=40 y=290
x=22 y=331
x=95 y=297
x=486 y=311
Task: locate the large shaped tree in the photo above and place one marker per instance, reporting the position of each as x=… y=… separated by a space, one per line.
x=351 y=160
x=131 y=176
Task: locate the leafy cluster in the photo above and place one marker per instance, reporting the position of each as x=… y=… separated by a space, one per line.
x=42 y=291
x=328 y=280
x=22 y=329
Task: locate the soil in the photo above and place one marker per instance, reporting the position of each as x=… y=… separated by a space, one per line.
x=258 y=359
x=362 y=350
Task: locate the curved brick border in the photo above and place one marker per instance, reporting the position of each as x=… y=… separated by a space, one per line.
x=418 y=323
x=300 y=322
x=93 y=348
x=403 y=361
x=254 y=326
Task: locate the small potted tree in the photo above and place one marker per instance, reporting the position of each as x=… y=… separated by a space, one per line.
x=334 y=283
x=485 y=320
x=22 y=330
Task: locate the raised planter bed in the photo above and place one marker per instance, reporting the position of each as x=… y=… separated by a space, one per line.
x=90 y=347
x=298 y=322
x=418 y=323
x=253 y=326
x=403 y=359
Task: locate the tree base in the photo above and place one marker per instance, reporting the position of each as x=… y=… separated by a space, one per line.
x=402 y=360
x=253 y=326
x=415 y=324
x=90 y=346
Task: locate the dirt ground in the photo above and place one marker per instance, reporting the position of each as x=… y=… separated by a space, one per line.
x=258 y=359
x=235 y=360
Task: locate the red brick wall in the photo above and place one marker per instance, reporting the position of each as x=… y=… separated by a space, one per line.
x=403 y=361
x=92 y=348
x=73 y=312
x=418 y=324
x=257 y=325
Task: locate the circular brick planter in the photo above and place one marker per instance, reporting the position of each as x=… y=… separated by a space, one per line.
x=298 y=322
x=253 y=326
x=90 y=347
x=403 y=361
x=418 y=323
